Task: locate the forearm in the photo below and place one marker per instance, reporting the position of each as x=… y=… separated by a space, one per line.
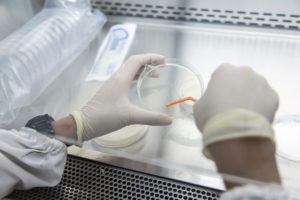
x=65 y=127
x=251 y=158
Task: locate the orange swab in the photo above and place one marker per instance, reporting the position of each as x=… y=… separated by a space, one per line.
x=171 y=103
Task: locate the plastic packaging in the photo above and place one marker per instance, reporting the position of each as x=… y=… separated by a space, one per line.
x=112 y=51
x=170 y=88
x=33 y=56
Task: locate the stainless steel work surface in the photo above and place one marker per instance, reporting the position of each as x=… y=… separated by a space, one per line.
x=86 y=179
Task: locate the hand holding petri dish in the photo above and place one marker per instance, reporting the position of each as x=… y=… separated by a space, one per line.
x=174 y=89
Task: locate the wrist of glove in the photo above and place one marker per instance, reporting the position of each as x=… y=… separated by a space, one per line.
x=79 y=125
x=233 y=124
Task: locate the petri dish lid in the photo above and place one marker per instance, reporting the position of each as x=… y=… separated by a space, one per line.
x=287 y=129
x=123 y=137
x=163 y=84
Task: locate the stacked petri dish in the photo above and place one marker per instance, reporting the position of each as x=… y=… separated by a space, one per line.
x=32 y=57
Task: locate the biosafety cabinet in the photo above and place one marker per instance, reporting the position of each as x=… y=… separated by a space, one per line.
x=167 y=162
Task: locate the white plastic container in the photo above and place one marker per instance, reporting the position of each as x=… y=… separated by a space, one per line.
x=33 y=56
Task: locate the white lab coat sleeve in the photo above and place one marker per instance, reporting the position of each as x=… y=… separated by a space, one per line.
x=29 y=159
x=267 y=192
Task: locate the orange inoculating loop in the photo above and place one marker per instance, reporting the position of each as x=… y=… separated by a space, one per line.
x=171 y=103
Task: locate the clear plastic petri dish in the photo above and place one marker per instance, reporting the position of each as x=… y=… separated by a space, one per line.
x=287 y=132
x=170 y=88
x=123 y=137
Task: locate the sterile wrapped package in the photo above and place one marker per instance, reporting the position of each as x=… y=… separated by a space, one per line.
x=33 y=56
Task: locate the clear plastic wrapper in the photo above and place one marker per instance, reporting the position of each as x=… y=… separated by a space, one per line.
x=112 y=52
x=33 y=56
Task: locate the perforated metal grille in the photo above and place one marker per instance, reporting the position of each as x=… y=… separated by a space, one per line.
x=195 y=14
x=85 y=179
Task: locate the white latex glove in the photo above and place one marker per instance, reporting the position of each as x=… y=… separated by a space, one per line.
x=237 y=103
x=233 y=87
x=110 y=109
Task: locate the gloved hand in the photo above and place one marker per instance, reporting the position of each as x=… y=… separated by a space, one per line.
x=236 y=87
x=243 y=94
x=110 y=109
x=234 y=116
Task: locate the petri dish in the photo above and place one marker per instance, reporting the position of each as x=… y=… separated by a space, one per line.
x=287 y=132
x=123 y=137
x=190 y=89
x=162 y=84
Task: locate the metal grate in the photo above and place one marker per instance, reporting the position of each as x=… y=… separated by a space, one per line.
x=196 y=14
x=86 y=179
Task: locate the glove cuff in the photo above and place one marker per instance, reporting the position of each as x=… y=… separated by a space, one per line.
x=79 y=124
x=235 y=123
